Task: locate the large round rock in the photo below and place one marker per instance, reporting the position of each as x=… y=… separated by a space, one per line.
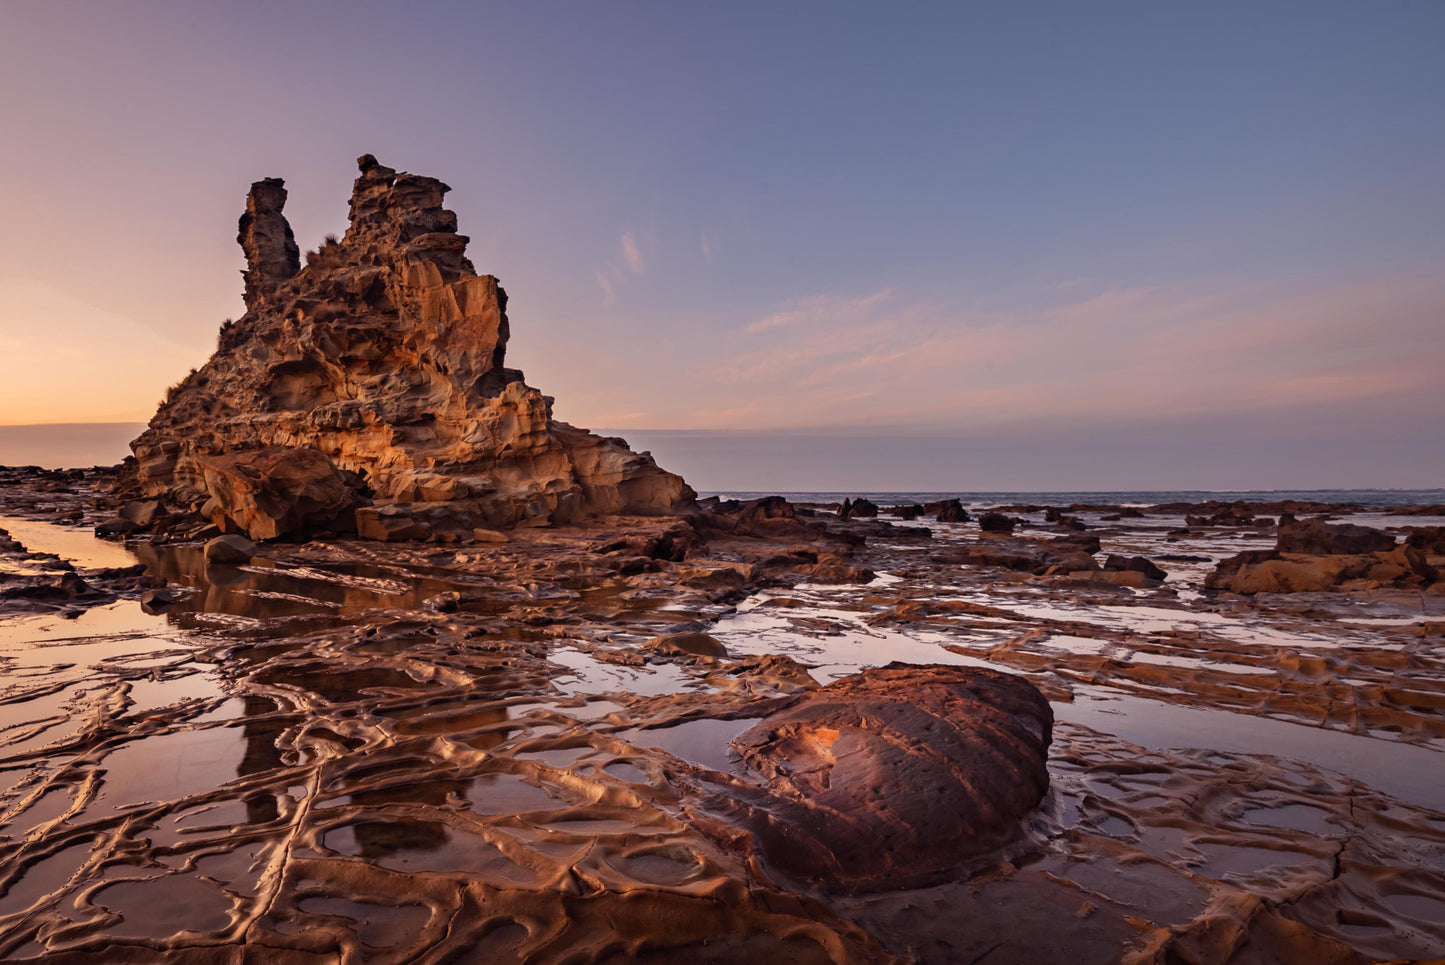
x=898 y=774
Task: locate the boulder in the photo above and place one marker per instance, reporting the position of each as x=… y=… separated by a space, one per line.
x=117 y=526
x=1136 y=564
x=688 y=643
x=1283 y=576
x=1267 y=571
x=995 y=523
x=1429 y=540
x=273 y=491
x=947 y=511
x=897 y=775
x=231 y=549
x=1318 y=538
x=157 y=601
x=859 y=508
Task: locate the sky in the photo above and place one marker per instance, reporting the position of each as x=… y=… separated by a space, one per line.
x=1077 y=237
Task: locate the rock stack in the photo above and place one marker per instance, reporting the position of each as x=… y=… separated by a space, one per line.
x=369 y=390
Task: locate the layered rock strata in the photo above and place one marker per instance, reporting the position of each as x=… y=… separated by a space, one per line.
x=369 y=390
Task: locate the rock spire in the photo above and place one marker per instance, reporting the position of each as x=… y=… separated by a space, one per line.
x=265 y=235
x=369 y=389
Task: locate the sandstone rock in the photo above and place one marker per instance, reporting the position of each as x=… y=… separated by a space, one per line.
x=897 y=774
x=265 y=235
x=230 y=550
x=770 y=517
x=1026 y=556
x=142 y=512
x=692 y=643
x=1130 y=578
x=386 y=356
x=995 y=523
x=947 y=511
x=1316 y=537
x=390 y=523
x=119 y=526
x=269 y=492
x=1287 y=576
x=1427 y=539
x=157 y=601
x=909 y=511
x=859 y=508
x=1080 y=544
x=1137 y=564
x=1267 y=571
x=448 y=602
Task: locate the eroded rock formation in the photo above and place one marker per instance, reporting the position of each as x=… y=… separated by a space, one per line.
x=369 y=390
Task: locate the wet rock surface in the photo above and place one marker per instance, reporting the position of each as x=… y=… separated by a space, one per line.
x=303 y=757
x=897 y=774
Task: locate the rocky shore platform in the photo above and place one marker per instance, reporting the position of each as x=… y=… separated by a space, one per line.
x=748 y=732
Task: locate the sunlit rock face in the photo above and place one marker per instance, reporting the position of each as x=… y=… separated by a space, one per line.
x=385 y=355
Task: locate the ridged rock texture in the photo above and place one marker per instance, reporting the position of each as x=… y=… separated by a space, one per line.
x=897 y=774
x=385 y=358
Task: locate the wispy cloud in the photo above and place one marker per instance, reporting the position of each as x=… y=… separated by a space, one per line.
x=632 y=253
x=619 y=420
x=1208 y=351
x=1186 y=350
x=605 y=283
x=822 y=308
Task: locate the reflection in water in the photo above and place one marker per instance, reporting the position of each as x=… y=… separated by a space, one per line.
x=266 y=590
x=385 y=839
x=377 y=839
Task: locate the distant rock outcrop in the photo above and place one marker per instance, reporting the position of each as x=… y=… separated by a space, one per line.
x=1314 y=556
x=368 y=391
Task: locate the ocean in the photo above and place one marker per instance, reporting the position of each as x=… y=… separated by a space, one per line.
x=107 y=443
x=1381 y=498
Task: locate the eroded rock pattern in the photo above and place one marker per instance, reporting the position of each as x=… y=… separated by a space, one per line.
x=347 y=750
x=386 y=357
x=897 y=774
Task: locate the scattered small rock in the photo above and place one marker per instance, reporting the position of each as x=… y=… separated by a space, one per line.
x=233 y=549
x=157 y=601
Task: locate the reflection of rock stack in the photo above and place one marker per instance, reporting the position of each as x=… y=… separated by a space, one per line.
x=369 y=389
x=262 y=754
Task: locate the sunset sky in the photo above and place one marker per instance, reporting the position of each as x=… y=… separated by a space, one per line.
x=1018 y=225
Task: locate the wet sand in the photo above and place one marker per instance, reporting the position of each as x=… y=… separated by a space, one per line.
x=323 y=756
